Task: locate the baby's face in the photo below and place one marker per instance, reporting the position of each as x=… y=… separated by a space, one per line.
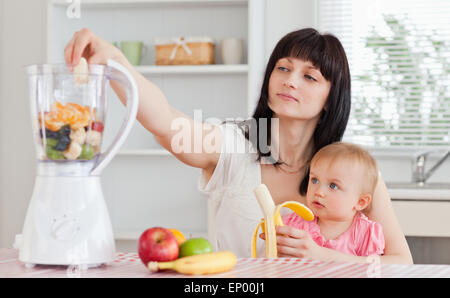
x=334 y=188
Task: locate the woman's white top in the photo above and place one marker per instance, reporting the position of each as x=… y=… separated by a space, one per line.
x=233 y=209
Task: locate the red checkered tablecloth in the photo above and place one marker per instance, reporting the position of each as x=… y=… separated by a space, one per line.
x=129 y=265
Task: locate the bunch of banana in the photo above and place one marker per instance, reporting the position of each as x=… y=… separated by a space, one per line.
x=209 y=263
x=272 y=218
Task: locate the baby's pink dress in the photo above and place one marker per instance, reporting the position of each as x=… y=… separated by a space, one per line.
x=363 y=238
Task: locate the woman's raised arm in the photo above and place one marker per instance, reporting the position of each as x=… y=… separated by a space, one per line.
x=155 y=114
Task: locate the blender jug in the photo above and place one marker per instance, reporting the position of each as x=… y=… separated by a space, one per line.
x=67 y=221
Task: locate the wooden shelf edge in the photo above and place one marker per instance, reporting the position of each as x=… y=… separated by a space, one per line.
x=193 y=69
x=128 y=3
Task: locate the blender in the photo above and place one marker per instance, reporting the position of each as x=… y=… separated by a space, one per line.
x=67 y=222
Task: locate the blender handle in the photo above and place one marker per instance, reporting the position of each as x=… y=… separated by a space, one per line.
x=133 y=100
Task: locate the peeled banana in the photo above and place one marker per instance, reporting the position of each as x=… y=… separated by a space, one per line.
x=209 y=263
x=73 y=151
x=81 y=72
x=93 y=138
x=272 y=218
x=78 y=136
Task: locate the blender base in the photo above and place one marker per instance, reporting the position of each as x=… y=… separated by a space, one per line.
x=67 y=223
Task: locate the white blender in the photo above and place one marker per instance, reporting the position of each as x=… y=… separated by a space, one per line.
x=67 y=222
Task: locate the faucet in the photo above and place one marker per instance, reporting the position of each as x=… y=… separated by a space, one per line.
x=419 y=175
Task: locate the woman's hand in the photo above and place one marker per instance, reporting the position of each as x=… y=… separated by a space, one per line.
x=295 y=243
x=93 y=48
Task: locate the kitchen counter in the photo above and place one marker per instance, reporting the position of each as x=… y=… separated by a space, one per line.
x=422 y=212
x=420 y=194
x=129 y=265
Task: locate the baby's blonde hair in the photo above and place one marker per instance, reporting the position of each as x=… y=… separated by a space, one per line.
x=342 y=150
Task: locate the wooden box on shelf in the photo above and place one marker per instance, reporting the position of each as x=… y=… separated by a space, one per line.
x=184 y=51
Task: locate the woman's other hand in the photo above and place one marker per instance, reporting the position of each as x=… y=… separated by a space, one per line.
x=93 y=48
x=295 y=243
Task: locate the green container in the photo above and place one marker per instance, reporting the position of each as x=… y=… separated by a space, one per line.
x=132 y=50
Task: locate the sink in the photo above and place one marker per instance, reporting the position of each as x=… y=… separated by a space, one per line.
x=413 y=185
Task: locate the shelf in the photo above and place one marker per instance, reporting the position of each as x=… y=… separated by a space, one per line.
x=193 y=69
x=145 y=152
x=135 y=234
x=141 y=3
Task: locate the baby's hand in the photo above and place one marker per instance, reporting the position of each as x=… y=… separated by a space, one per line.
x=295 y=243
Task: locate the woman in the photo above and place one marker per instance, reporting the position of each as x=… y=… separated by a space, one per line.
x=306 y=90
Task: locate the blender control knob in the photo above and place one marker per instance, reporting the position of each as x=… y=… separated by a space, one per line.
x=64 y=229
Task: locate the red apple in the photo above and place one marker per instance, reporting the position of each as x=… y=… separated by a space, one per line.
x=157 y=244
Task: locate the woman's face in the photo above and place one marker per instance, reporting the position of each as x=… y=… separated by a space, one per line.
x=297 y=89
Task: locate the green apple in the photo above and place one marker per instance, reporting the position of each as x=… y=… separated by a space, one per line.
x=87 y=152
x=51 y=143
x=54 y=154
x=195 y=246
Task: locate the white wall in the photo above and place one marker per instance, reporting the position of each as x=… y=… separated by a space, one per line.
x=284 y=16
x=2 y=214
x=23 y=26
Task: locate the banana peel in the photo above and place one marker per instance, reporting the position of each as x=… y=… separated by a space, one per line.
x=272 y=218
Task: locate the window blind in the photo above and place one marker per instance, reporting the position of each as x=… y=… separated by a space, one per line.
x=399 y=56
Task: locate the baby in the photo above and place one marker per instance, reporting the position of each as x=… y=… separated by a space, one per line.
x=342 y=181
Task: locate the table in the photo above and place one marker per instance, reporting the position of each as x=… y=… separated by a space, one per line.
x=129 y=265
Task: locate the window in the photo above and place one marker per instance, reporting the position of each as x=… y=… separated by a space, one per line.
x=399 y=55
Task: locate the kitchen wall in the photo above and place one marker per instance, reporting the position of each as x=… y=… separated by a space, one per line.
x=285 y=16
x=1 y=121
x=22 y=29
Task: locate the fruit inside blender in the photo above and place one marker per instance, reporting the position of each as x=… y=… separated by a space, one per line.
x=70 y=132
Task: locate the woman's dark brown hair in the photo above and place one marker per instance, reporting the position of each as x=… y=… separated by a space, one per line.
x=325 y=52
